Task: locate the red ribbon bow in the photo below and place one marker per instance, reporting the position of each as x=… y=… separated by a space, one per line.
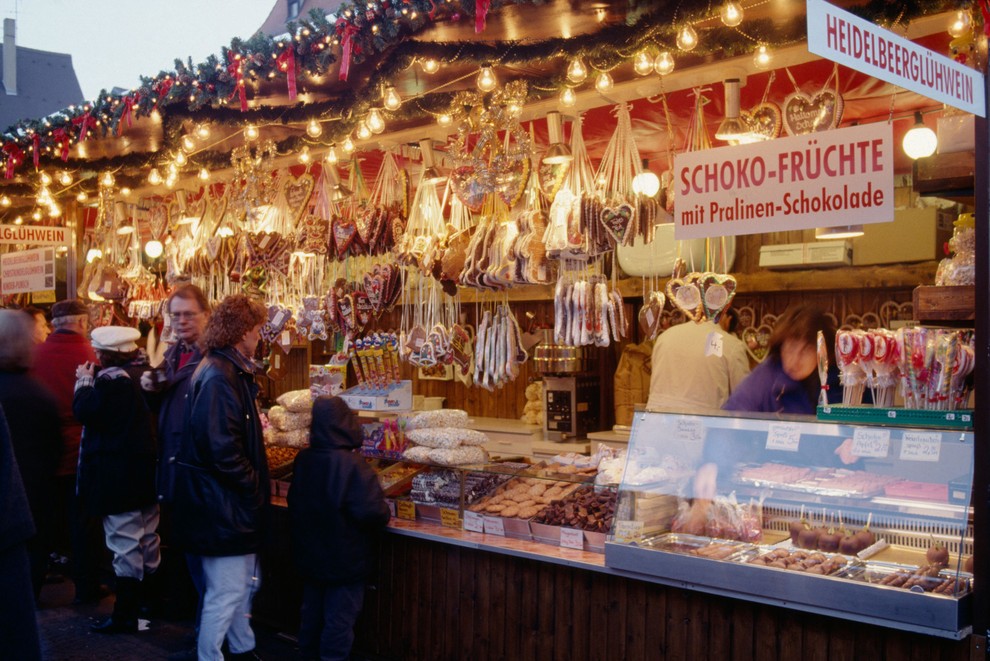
x=61 y=138
x=234 y=68
x=985 y=10
x=481 y=8
x=36 y=149
x=347 y=48
x=125 y=115
x=85 y=123
x=286 y=63
x=15 y=156
x=162 y=88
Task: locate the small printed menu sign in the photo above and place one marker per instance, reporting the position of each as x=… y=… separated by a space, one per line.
x=572 y=539
x=406 y=509
x=449 y=518
x=494 y=526
x=474 y=522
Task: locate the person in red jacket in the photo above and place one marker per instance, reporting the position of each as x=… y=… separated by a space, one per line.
x=55 y=363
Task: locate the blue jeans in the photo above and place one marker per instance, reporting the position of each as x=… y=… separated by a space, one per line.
x=231 y=582
x=328 y=615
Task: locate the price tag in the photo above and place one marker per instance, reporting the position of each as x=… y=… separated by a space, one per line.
x=494 y=526
x=572 y=539
x=920 y=446
x=713 y=344
x=627 y=532
x=474 y=522
x=783 y=436
x=391 y=506
x=689 y=429
x=449 y=518
x=406 y=509
x=871 y=442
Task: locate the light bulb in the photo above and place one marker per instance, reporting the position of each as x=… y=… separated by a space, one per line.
x=763 y=57
x=93 y=254
x=65 y=178
x=251 y=132
x=36 y=214
x=187 y=143
x=107 y=179
x=687 y=38
x=444 y=119
x=646 y=183
x=203 y=131
x=170 y=181
x=46 y=179
x=154 y=177
x=430 y=65
x=125 y=191
x=392 y=99
x=204 y=174
x=731 y=14
x=4 y=201
x=313 y=129
x=920 y=141
x=54 y=211
x=332 y=155
x=604 y=82
x=19 y=220
x=82 y=196
x=363 y=131
x=348 y=145
x=180 y=158
x=664 y=63
x=304 y=156
x=154 y=249
x=567 y=97
x=514 y=109
x=643 y=63
x=961 y=24
x=375 y=121
x=486 y=79
x=576 y=71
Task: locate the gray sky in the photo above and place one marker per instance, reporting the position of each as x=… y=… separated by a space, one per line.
x=113 y=42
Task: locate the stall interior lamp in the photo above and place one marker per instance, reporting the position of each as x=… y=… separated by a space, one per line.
x=557 y=152
x=576 y=71
x=65 y=178
x=251 y=132
x=444 y=119
x=331 y=157
x=687 y=38
x=646 y=183
x=203 y=131
x=840 y=232
x=5 y=201
x=107 y=179
x=93 y=254
x=431 y=175
x=486 y=79
x=731 y=14
x=363 y=131
x=376 y=123
x=154 y=249
x=347 y=145
x=664 y=63
x=734 y=128
x=430 y=65
x=338 y=191
x=920 y=141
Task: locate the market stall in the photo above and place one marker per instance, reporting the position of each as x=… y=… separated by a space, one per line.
x=488 y=209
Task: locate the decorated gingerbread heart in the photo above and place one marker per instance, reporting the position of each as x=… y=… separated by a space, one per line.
x=344 y=233
x=619 y=222
x=757 y=341
x=685 y=294
x=651 y=315
x=717 y=291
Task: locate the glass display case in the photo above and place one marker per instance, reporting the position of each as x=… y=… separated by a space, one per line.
x=870 y=523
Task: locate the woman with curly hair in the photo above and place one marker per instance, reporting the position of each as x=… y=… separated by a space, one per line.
x=221 y=478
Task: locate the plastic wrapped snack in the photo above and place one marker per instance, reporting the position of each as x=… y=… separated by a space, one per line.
x=439 y=418
x=297 y=401
x=457 y=456
x=291 y=439
x=446 y=437
x=419 y=453
x=285 y=420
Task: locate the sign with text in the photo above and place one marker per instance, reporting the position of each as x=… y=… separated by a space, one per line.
x=854 y=42
x=921 y=446
x=824 y=179
x=783 y=436
x=494 y=525
x=406 y=509
x=27 y=271
x=474 y=521
x=871 y=442
x=34 y=235
x=572 y=539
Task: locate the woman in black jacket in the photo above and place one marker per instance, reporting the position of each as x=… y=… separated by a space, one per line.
x=337 y=511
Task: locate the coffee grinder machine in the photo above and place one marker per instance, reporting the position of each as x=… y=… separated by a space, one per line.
x=571 y=390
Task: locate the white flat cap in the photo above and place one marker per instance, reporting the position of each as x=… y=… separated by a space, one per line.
x=115 y=338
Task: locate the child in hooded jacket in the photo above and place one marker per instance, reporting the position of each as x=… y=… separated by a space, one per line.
x=337 y=512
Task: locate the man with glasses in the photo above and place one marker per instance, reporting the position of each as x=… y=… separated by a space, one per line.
x=55 y=363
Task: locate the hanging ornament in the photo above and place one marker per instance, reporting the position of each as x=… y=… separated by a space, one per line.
x=286 y=63
x=687 y=38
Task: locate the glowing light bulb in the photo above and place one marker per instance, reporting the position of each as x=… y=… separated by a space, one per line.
x=731 y=14
x=363 y=131
x=687 y=38
x=154 y=249
x=204 y=174
x=763 y=57
x=202 y=131
x=664 y=63
x=125 y=191
x=4 y=201
x=332 y=155
x=486 y=79
x=961 y=24
x=444 y=119
x=604 y=82
x=348 y=145
x=45 y=178
x=304 y=156
x=54 y=211
x=180 y=158
x=251 y=132
x=375 y=121
x=82 y=196
x=36 y=214
x=576 y=71
x=430 y=65
x=93 y=254
x=392 y=99
x=19 y=220
x=65 y=178
x=567 y=97
x=154 y=177
x=643 y=63
x=313 y=129
x=107 y=179
x=920 y=141
x=187 y=143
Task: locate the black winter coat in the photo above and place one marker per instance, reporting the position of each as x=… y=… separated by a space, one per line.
x=221 y=473
x=172 y=403
x=117 y=452
x=336 y=506
x=16 y=526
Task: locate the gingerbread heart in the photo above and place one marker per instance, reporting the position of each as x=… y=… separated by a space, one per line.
x=764 y=119
x=619 y=222
x=460 y=346
x=415 y=340
x=468 y=184
x=804 y=114
x=757 y=341
x=551 y=177
x=297 y=193
x=685 y=294
x=717 y=291
x=852 y=322
x=511 y=181
x=651 y=315
x=374 y=289
x=343 y=235
x=346 y=313
x=871 y=320
x=364 y=220
x=362 y=308
x=747 y=316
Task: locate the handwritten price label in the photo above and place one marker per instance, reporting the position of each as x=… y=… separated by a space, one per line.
x=713 y=344
x=494 y=526
x=391 y=506
x=783 y=436
x=474 y=522
x=871 y=442
x=627 y=532
x=450 y=519
x=406 y=509
x=572 y=539
x=689 y=429
x=921 y=446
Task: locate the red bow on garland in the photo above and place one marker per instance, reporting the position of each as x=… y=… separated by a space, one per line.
x=61 y=138
x=85 y=123
x=125 y=115
x=481 y=8
x=346 y=31
x=15 y=156
x=162 y=88
x=235 y=70
x=985 y=10
x=36 y=149
x=286 y=63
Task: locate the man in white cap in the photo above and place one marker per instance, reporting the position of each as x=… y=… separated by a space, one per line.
x=117 y=467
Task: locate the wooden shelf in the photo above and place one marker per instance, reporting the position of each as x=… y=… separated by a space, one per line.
x=945 y=303
x=949 y=176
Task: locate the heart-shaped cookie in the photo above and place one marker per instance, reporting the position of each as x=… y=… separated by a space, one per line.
x=764 y=119
x=374 y=289
x=510 y=180
x=347 y=314
x=852 y=322
x=343 y=236
x=297 y=191
x=468 y=184
x=717 y=291
x=362 y=308
x=685 y=294
x=619 y=222
x=747 y=316
x=804 y=114
x=651 y=315
x=551 y=177
x=892 y=311
x=364 y=220
x=757 y=342
x=871 y=320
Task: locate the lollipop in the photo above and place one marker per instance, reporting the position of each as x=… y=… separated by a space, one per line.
x=847 y=357
x=885 y=364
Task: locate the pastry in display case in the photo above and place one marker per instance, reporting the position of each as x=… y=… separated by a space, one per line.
x=864 y=522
